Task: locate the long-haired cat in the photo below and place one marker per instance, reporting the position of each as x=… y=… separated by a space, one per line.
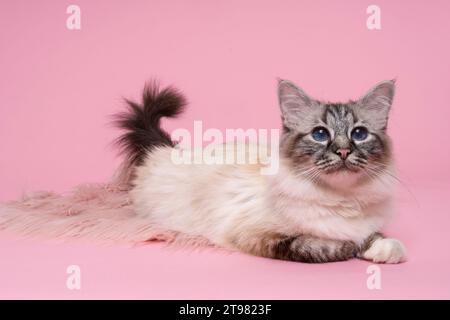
x=327 y=202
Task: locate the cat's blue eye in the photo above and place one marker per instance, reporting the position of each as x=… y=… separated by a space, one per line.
x=320 y=134
x=359 y=134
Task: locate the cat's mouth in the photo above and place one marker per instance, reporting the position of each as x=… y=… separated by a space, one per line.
x=342 y=166
x=342 y=174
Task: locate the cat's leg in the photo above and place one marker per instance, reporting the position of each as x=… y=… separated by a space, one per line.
x=302 y=248
x=379 y=249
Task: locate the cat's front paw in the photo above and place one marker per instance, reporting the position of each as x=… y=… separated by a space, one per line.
x=386 y=250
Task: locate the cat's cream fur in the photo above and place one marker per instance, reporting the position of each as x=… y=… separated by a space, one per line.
x=235 y=206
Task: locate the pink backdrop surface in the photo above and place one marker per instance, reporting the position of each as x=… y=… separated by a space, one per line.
x=58 y=88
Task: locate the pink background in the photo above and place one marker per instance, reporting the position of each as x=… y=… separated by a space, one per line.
x=59 y=87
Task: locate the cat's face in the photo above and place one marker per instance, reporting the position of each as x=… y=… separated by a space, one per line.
x=325 y=140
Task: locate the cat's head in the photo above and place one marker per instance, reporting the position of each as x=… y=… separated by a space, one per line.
x=327 y=141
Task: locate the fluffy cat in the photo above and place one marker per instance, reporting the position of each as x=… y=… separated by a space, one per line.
x=327 y=202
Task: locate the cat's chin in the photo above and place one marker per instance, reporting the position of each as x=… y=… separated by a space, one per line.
x=343 y=178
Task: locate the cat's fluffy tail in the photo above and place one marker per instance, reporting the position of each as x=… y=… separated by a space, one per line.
x=141 y=122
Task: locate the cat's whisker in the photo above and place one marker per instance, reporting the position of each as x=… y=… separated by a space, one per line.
x=394 y=177
x=312 y=174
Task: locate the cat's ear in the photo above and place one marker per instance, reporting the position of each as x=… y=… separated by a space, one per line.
x=295 y=104
x=376 y=104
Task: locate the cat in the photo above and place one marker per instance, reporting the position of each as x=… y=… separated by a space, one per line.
x=328 y=201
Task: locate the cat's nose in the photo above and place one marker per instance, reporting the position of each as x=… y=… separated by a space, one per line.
x=343 y=153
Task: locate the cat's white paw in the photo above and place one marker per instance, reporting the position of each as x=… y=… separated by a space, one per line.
x=386 y=251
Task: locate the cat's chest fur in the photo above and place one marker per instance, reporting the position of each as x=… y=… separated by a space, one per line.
x=308 y=208
x=218 y=201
